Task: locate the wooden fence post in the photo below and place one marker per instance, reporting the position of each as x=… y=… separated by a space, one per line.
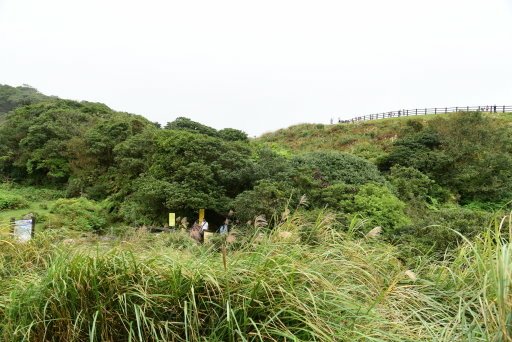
x=12 y=224
x=33 y=226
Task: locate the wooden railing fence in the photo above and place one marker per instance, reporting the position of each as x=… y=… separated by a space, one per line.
x=429 y=111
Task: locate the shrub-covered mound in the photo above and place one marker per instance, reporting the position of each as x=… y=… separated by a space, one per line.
x=8 y=201
x=78 y=214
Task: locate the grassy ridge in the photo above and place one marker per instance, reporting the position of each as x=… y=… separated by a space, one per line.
x=304 y=281
x=367 y=139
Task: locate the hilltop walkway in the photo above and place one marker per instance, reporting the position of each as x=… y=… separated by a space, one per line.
x=428 y=111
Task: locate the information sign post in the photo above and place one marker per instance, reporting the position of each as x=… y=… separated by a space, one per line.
x=23 y=230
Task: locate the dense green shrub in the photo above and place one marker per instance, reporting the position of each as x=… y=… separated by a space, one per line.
x=379 y=206
x=146 y=205
x=467 y=153
x=232 y=134
x=441 y=230
x=78 y=214
x=9 y=202
x=367 y=151
x=31 y=193
x=272 y=164
x=186 y=124
x=420 y=150
x=414 y=187
x=267 y=198
x=410 y=183
x=332 y=196
x=333 y=167
x=480 y=149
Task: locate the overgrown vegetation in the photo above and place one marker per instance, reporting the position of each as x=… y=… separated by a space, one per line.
x=415 y=169
x=276 y=286
x=79 y=214
x=8 y=201
x=12 y=97
x=368 y=231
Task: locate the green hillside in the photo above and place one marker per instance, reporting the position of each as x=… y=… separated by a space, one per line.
x=452 y=169
x=368 y=139
x=12 y=97
x=390 y=230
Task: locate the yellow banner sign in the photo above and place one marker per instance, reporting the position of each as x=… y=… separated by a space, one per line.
x=172 y=219
x=201 y=215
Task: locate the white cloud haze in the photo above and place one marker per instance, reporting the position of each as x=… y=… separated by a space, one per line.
x=260 y=65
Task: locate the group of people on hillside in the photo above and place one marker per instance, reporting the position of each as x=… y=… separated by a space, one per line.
x=492 y=108
x=489 y=109
x=197 y=231
x=342 y=121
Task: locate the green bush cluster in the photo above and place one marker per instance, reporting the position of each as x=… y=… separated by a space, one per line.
x=10 y=202
x=399 y=173
x=267 y=198
x=379 y=206
x=466 y=153
x=332 y=167
x=77 y=214
x=441 y=231
x=31 y=193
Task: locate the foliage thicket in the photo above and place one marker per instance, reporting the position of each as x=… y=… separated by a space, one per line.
x=8 y=201
x=12 y=97
x=373 y=231
x=467 y=153
x=402 y=175
x=143 y=171
x=77 y=214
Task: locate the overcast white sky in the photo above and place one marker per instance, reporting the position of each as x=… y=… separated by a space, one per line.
x=260 y=65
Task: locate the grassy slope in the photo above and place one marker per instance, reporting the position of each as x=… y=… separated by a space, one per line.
x=38 y=208
x=366 y=139
x=39 y=200
x=335 y=287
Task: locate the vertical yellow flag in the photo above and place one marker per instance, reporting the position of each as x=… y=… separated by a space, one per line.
x=201 y=215
x=172 y=219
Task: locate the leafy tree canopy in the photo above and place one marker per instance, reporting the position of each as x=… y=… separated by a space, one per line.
x=185 y=124
x=332 y=167
x=13 y=97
